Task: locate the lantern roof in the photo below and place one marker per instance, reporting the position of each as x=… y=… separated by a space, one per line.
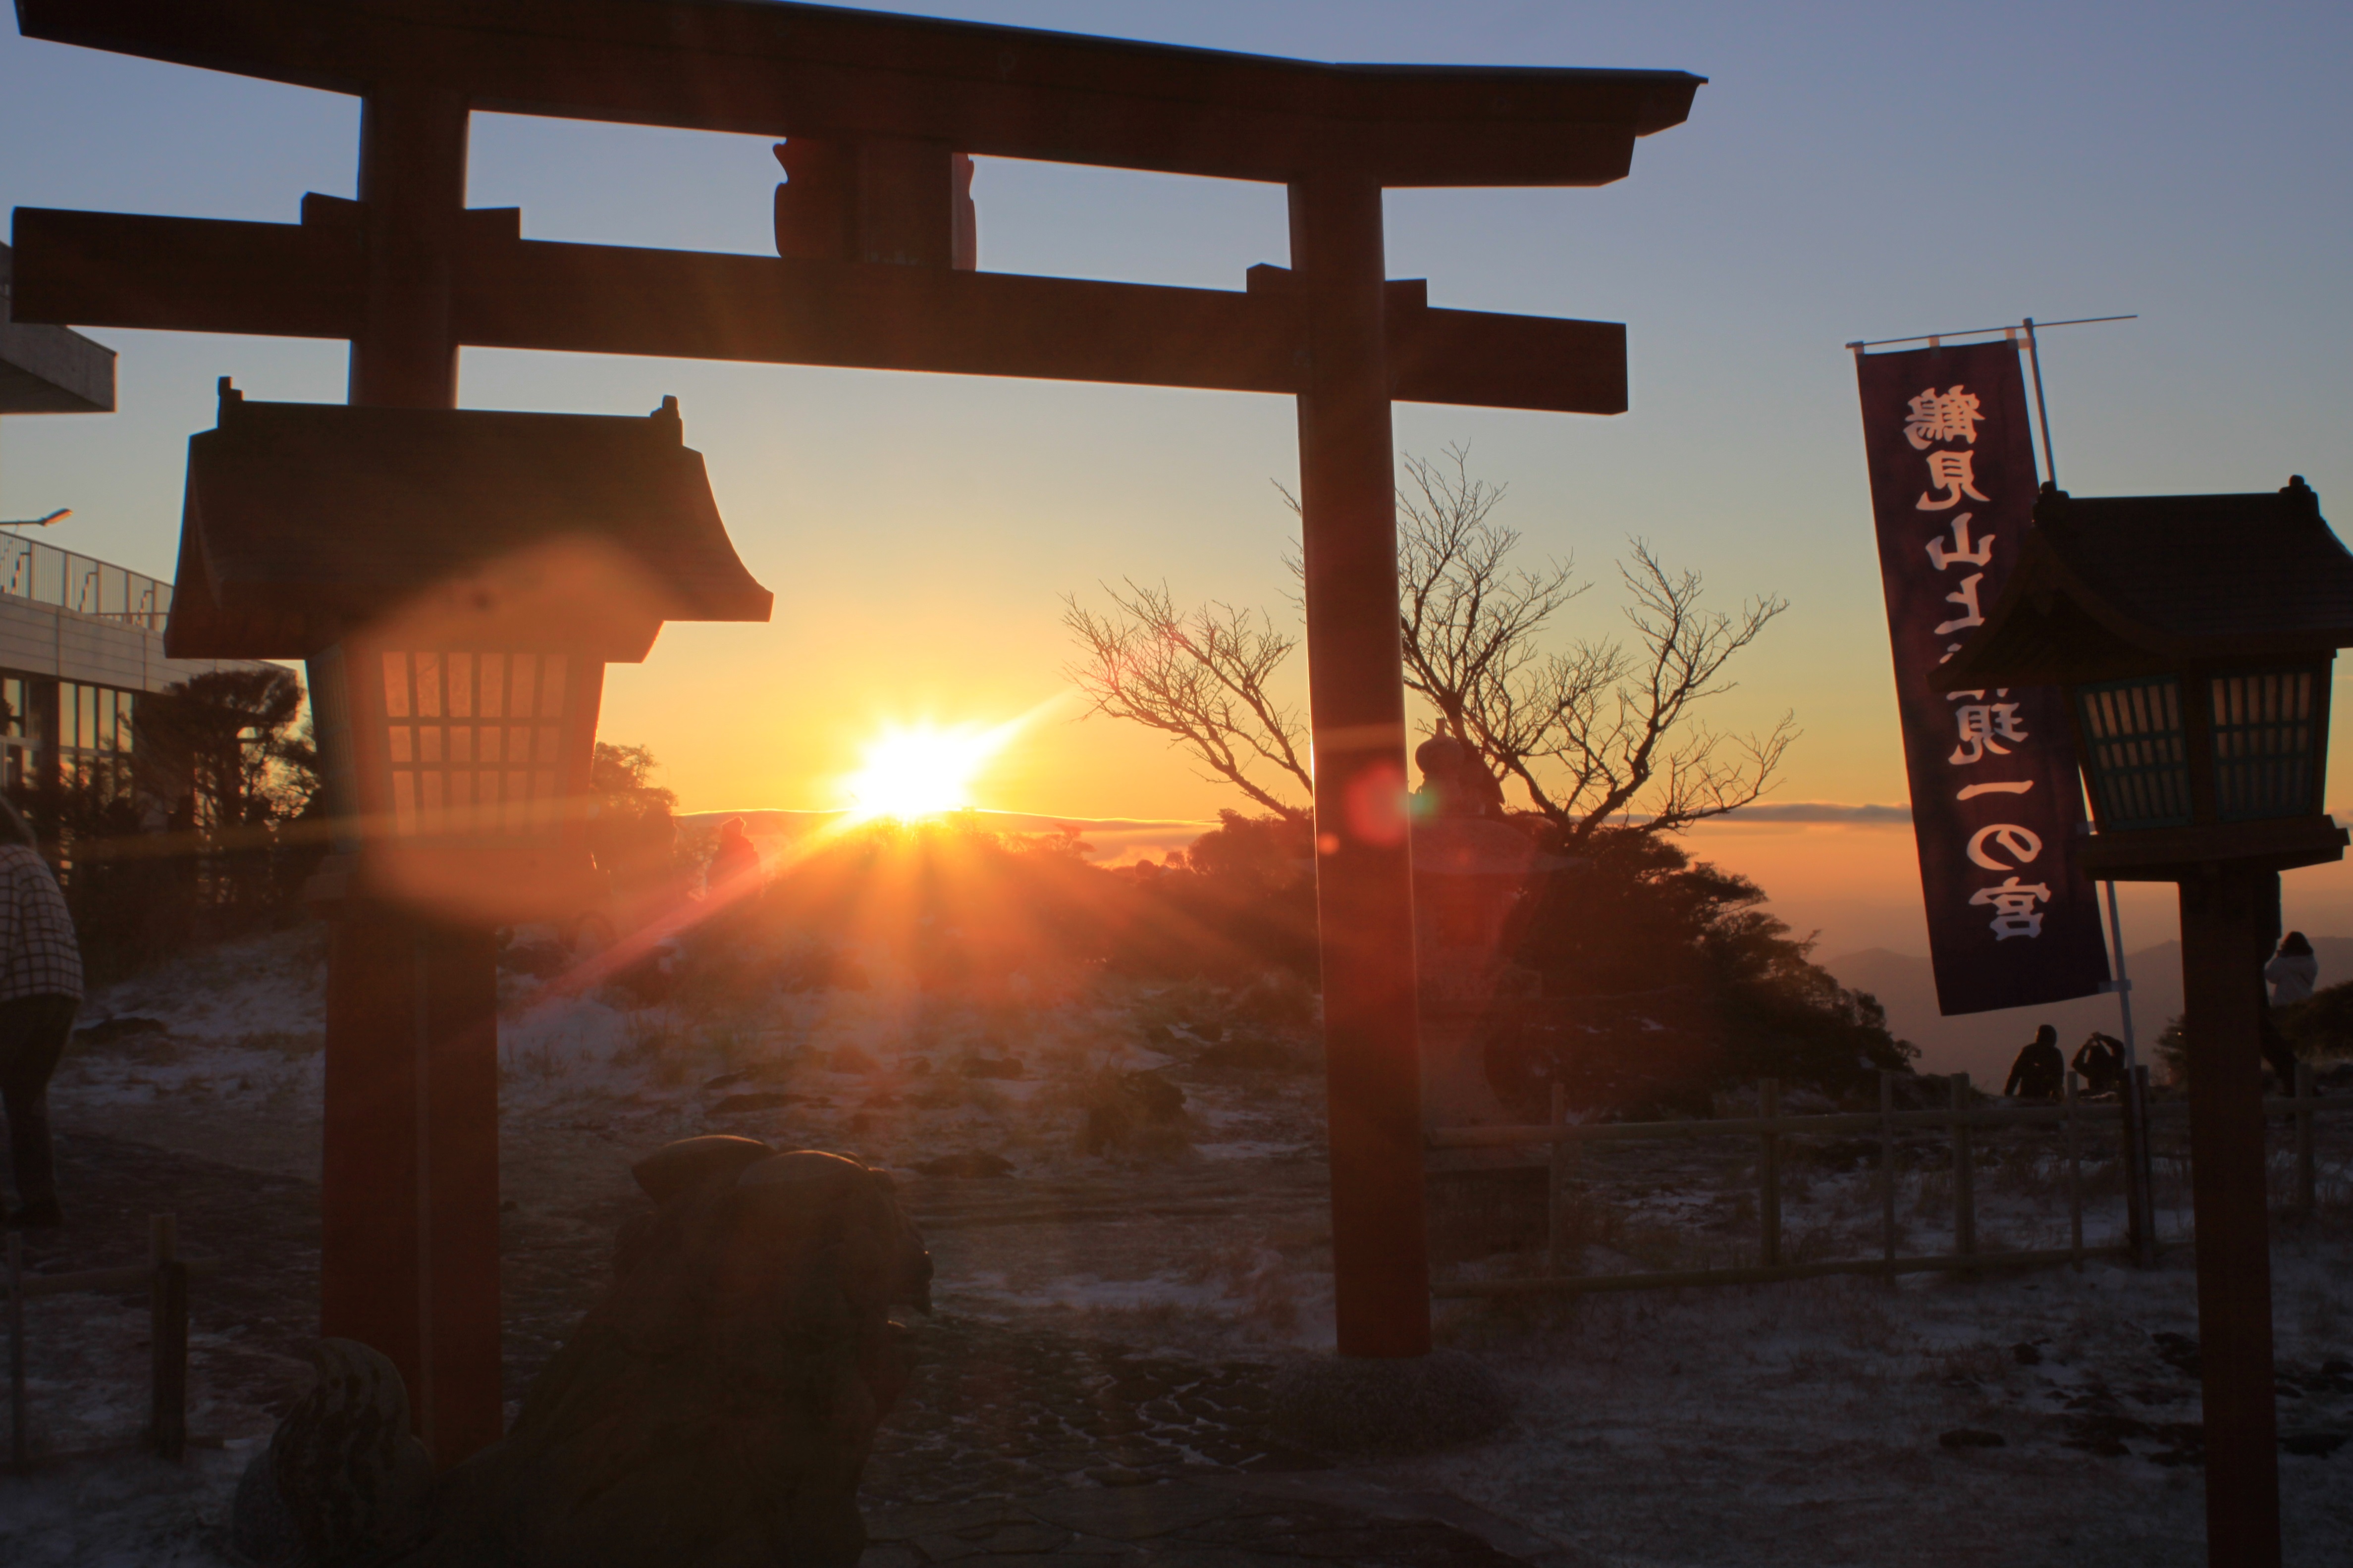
x=304 y=522
x=2107 y=587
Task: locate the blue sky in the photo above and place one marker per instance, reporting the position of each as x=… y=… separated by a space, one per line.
x=1850 y=171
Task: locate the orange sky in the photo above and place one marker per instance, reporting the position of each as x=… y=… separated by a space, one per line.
x=918 y=531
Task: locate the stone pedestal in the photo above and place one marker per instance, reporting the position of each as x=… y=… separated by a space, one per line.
x=1474 y=883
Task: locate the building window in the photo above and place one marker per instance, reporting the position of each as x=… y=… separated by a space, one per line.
x=16 y=739
x=94 y=726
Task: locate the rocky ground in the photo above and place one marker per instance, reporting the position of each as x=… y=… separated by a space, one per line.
x=1113 y=1306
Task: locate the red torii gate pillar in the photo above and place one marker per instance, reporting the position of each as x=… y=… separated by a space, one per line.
x=1363 y=868
x=408 y=1183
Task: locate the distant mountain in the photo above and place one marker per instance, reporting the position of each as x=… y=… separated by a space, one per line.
x=1983 y=1044
x=1110 y=839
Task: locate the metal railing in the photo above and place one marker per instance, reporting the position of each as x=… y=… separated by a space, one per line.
x=43 y=573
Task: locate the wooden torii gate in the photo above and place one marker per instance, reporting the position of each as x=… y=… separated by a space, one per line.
x=878 y=111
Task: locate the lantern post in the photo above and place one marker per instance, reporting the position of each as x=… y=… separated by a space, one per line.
x=2193 y=636
x=457 y=582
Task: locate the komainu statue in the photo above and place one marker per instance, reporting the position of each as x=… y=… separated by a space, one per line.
x=713 y=1410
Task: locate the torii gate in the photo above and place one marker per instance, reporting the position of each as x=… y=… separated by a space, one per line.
x=878 y=111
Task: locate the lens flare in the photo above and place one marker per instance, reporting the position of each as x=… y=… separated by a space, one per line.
x=921 y=769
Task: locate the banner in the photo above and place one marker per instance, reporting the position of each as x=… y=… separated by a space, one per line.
x=1997 y=805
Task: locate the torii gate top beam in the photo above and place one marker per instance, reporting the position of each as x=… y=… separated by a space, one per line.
x=764 y=68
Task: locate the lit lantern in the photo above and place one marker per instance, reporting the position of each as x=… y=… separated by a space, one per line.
x=458 y=581
x=2194 y=637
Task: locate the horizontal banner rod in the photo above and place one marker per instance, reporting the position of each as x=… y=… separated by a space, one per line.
x=1982 y=331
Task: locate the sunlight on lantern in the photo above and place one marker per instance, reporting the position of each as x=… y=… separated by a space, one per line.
x=922 y=770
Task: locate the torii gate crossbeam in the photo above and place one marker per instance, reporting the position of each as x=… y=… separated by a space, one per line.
x=885 y=104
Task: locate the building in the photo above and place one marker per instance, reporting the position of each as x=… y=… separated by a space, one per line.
x=80 y=642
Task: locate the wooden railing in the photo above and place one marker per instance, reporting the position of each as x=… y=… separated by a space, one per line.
x=1960 y=1120
x=166 y=1275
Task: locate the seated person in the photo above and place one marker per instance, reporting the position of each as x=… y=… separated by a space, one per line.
x=2101 y=1061
x=2037 y=1073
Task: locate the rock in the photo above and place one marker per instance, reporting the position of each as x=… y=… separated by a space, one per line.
x=970 y=1165
x=1251 y=1053
x=107 y=1030
x=713 y=1410
x=764 y=1099
x=341 y=1479
x=717 y=1406
x=1132 y=1110
x=1117 y=1475
x=992 y=1066
x=1971 y=1437
x=674 y=1168
x=1388 y=1404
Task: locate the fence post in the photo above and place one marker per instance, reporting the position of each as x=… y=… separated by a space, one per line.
x=2075 y=1179
x=1768 y=1106
x=2140 y=1186
x=2307 y=1198
x=168 y=1338
x=1557 y=1197
x=1965 y=1192
x=1887 y=1170
x=18 y=1443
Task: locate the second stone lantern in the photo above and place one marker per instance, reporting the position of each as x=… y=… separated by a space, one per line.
x=456 y=581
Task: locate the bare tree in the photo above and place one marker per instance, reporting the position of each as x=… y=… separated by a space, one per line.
x=1470 y=621
x=1601 y=732
x=1200 y=676
x=1604 y=731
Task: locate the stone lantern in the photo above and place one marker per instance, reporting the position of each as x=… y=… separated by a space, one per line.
x=2193 y=636
x=457 y=581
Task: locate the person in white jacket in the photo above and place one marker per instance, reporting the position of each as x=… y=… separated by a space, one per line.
x=2293 y=970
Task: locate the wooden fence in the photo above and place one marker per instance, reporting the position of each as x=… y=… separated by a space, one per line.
x=1960 y=1118
x=165 y=1274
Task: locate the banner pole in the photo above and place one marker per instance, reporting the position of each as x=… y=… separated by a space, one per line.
x=2124 y=984
x=2140 y=1186
x=2050 y=471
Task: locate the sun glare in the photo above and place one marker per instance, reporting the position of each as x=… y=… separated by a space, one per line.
x=922 y=770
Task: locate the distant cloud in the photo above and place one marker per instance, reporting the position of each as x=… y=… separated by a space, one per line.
x=1821 y=811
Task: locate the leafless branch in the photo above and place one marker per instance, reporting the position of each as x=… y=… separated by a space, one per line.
x=1203 y=677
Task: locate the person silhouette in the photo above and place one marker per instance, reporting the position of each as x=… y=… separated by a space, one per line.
x=2037 y=1073
x=1455 y=781
x=2293 y=972
x=2099 y=1060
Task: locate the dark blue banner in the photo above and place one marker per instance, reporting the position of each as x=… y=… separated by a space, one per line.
x=1997 y=806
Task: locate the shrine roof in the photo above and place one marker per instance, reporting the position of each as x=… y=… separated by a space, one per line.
x=766 y=68
x=303 y=519
x=2109 y=586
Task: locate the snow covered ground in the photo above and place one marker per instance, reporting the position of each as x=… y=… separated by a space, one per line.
x=1777 y=1423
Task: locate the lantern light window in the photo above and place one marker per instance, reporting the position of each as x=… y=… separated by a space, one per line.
x=2265 y=756
x=2139 y=763
x=475 y=740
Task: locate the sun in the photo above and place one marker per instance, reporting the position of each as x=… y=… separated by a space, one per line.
x=921 y=769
